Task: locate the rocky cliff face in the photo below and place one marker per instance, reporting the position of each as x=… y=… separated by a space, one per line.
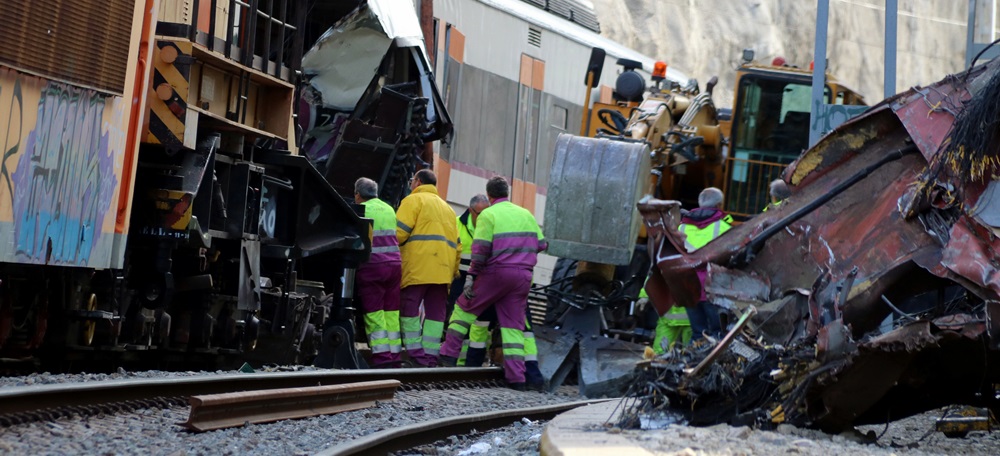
x=704 y=39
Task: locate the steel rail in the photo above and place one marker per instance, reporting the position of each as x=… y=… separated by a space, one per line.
x=407 y=437
x=32 y=399
x=220 y=411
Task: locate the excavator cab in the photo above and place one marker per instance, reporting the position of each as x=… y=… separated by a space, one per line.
x=769 y=129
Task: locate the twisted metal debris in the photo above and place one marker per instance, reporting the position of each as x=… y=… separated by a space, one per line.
x=876 y=285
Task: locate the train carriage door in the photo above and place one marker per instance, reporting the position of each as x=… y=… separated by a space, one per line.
x=529 y=103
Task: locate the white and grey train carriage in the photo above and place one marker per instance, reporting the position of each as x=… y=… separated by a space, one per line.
x=512 y=75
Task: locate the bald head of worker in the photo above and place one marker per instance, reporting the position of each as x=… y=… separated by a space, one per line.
x=423 y=177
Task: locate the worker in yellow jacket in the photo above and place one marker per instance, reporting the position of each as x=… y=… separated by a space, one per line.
x=429 y=245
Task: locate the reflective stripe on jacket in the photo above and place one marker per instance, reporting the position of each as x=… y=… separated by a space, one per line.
x=506 y=235
x=465 y=232
x=385 y=247
x=428 y=240
x=676 y=316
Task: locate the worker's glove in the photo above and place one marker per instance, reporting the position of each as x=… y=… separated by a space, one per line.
x=469 y=280
x=641 y=304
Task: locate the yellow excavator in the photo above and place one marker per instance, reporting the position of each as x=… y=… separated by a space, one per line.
x=667 y=141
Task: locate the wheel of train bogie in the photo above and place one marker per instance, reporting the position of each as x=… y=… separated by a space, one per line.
x=89 y=327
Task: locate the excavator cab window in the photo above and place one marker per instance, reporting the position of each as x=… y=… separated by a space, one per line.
x=770 y=124
x=770 y=129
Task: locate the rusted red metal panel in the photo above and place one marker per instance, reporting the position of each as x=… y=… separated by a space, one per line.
x=928 y=114
x=878 y=218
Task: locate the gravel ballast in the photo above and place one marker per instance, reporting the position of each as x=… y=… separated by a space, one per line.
x=156 y=432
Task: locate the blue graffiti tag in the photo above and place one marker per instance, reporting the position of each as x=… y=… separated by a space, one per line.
x=65 y=180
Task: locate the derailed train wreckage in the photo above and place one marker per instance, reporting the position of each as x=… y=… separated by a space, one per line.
x=210 y=223
x=872 y=293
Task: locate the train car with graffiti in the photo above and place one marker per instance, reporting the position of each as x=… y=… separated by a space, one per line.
x=153 y=200
x=69 y=140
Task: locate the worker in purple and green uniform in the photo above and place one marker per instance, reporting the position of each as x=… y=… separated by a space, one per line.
x=672 y=328
x=378 y=279
x=504 y=252
x=473 y=352
x=429 y=245
x=701 y=226
x=474 y=347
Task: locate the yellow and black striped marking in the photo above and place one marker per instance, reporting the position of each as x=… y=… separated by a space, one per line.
x=169 y=93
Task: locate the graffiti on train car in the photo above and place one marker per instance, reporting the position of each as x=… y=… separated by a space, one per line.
x=64 y=180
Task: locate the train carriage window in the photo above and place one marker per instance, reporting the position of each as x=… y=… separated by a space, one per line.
x=559 y=116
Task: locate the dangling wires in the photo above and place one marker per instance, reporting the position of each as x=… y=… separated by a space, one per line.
x=972 y=150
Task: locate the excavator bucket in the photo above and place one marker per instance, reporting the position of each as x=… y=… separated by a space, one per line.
x=590 y=218
x=594 y=184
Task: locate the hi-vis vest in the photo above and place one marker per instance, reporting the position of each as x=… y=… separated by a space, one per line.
x=506 y=235
x=465 y=233
x=385 y=247
x=698 y=237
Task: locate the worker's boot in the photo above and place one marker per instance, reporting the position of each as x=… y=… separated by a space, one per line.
x=517 y=386
x=533 y=376
x=447 y=361
x=475 y=357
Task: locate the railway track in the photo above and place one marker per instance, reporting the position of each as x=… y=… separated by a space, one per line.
x=419 y=412
x=428 y=432
x=46 y=402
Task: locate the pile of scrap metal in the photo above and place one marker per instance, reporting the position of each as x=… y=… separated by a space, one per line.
x=871 y=294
